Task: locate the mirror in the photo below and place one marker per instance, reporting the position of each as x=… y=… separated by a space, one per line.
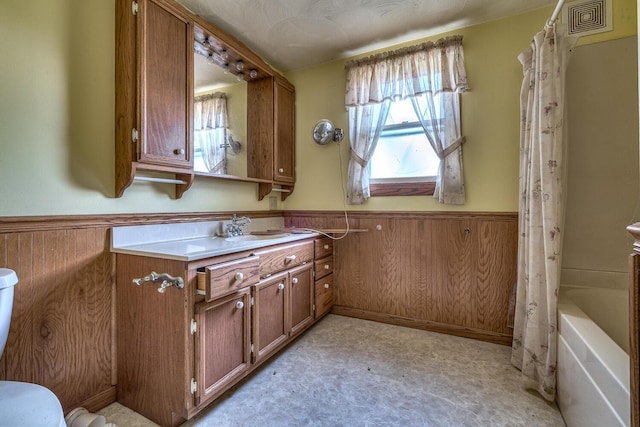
x=222 y=64
x=220 y=120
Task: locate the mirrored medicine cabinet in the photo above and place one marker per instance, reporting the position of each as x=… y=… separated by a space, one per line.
x=175 y=73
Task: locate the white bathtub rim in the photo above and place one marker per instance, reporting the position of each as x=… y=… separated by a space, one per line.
x=616 y=359
x=605 y=364
x=605 y=399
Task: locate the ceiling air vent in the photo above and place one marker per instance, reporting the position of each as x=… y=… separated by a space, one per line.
x=588 y=17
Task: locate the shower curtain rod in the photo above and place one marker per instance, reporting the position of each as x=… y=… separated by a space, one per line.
x=556 y=12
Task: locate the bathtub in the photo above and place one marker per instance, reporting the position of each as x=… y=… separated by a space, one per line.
x=593 y=364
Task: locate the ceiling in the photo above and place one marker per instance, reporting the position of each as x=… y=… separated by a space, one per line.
x=294 y=34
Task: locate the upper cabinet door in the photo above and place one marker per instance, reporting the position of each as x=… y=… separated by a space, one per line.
x=284 y=143
x=165 y=61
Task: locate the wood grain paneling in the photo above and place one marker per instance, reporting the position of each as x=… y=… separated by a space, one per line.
x=420 y=270
x=63 y=322
x=61 y=327
x=439 y=271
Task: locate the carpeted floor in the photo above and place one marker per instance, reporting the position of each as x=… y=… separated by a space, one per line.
x=351 y=372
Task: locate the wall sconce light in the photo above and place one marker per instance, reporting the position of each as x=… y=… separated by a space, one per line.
x=239 y=65
x=253 y=73
x=240 y=77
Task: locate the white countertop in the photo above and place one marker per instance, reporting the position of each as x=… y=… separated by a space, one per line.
x=203 y=247
x=194 y=241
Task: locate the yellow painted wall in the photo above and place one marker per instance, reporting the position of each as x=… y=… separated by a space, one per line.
x=57 y=119
x=490 y=118
x=57 y=126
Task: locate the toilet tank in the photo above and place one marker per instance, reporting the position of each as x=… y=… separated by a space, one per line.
x=8 y=280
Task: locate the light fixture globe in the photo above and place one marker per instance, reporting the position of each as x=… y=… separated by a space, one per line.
x=324 y=132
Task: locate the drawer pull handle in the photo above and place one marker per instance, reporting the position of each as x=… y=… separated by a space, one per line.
x=239 y=304
x=239 y=276
x=326 y=266
x=326 y=286
x=281 y=286
x=294 y=280
x=289 y=258
x=326 y=246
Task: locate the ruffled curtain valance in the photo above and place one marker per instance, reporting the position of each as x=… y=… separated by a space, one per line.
x=431 y=67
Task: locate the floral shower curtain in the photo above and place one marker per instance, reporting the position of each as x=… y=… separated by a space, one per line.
x=541 y=210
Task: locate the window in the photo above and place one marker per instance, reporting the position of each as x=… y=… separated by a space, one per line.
x=403 y=162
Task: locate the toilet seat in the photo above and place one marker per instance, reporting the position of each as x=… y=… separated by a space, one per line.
x=29 y=405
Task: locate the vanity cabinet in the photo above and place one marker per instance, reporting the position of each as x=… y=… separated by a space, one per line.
x=154 y=91
x=181 y=348
x=323 y=273
x=271 y=133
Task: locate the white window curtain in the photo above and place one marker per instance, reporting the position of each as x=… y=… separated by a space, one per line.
x=541 y=210
x=210 y=130
x=435 y=73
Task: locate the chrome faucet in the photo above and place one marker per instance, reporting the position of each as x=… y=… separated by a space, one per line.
x=235 y=228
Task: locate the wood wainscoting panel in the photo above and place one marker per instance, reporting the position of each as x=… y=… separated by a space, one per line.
x=444 y=271
x=63 y=331
x=61 y=327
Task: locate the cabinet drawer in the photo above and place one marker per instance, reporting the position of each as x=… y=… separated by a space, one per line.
x=324 y=295
x=323 y=267
x=284 y=257
x=228 y=277
x=323 y=247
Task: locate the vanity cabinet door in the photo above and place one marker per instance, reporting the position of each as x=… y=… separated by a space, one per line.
x=223 y=346
x=270 y=315
x=324 y=295
x=301 y=298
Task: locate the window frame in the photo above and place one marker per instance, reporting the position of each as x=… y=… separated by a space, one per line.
x=413 y=186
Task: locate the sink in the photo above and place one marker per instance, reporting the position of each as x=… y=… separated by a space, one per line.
x=254 y=237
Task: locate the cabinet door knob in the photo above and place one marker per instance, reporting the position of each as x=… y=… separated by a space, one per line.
x=326 y=266
x=281 y=286
x=326 y=246
x=294 y=280
x=326 y=286
x=281 y=170
x=178 y=151
x=239 y=276
x=239 y=304
x=289 y=258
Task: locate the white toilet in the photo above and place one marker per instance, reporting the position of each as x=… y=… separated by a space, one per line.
x=22 y=404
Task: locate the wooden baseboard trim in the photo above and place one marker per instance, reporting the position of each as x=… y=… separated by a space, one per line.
x=424 y=325
x=97 y=401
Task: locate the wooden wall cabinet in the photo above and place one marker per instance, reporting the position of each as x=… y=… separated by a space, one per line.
x=154 y=100
x=154 y=91
x=271 y=132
